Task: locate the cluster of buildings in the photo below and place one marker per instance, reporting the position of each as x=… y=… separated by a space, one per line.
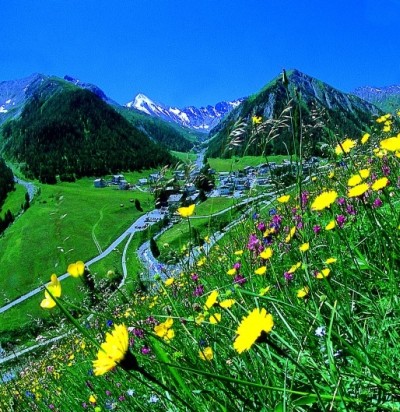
x=116 y=180
x=229 y=184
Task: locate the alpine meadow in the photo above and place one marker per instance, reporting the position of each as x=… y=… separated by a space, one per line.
x=243 y=259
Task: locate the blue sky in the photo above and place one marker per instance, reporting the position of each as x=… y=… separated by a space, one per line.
x=184 y=52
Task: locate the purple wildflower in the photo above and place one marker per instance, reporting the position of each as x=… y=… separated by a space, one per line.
x=316 y=229
x=145 y=350
x=340 y=220
x=377 y=203
x=199 y=290
x=239 y=279
x=288 y=276
x=261 y=226
x=350 y=210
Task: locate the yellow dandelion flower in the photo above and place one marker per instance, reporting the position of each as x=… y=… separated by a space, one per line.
x=303 y=292
x=76 y=269
x=291 y=234
x=387 y=128
x=264 y=291
x=266 y=253
x=256 y=119
x=358 y=190
x=200 y=319
x=365 y=138
x=331 y=225
x=186 y=211
x=201 y=261
x=54 y=287
x=168 y=323
x=261 y=270
x=364 y=173
x=114 y=351
x=392 y=144
x=345 y=146
x=323 y=274
x=238 y=252
x=227 y=303
x=231 y=272
x=92 y=399
x=169 y=281
x=380 y=183
x=304 y=247
x=268 y=232
x=206 y=354
x=163 y=330
x=330 y=260
x=294 y=267
x=331 y=175
x=251 y=327
x=283 y=199
x=324 y=200
x=215 y=318
x=211 y=300
x=383 y=118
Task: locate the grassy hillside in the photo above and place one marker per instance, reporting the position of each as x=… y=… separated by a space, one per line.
x=62 y=225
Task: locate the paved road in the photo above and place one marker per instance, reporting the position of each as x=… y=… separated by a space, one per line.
x=139 y=225
x=30 y=187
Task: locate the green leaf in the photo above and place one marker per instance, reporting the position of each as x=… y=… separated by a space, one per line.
x=305 y=400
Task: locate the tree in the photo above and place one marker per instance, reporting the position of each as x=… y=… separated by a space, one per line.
x=138 y=205
x=26 y=204
x=154 y=248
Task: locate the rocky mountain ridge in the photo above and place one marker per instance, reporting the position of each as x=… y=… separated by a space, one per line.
x=201 y=119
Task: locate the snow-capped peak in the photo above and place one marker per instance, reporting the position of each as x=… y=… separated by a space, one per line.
x=201 y=119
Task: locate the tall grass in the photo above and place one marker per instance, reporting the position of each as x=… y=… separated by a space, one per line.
x=325 y=268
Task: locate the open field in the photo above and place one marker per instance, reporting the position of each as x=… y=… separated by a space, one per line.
x=238 y=163
x=63 y=225
x=185 y=156
x=14 y=201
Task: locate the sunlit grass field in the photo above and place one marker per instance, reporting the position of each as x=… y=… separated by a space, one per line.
x=296 y=309
x=238 y=163
x=61 y=226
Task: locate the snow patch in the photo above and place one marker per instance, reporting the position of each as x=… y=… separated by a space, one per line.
x=3 y=110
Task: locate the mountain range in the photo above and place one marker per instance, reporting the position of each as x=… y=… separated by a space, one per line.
x=386 y=98
x=202 y=119
x=53 y=110
x=324 y=111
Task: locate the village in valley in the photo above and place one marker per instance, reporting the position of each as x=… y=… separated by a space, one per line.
x=199 y=182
